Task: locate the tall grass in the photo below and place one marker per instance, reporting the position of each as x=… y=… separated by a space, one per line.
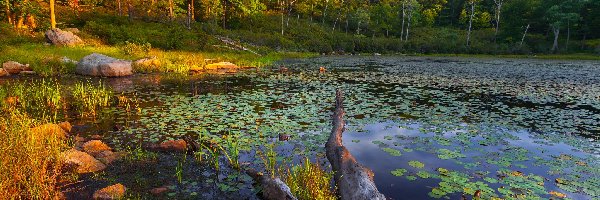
x=39 y=98
x=30 y=164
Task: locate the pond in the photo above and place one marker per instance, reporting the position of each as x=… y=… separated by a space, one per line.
x=427 y=127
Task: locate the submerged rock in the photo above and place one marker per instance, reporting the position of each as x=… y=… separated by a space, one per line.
x=100 y=65
x=62 y=38
x=116 y=191
x=13 y=67
x=158 y=191
x=95 y=147
x=84 y=162
x=173 y=146
x=108 y=157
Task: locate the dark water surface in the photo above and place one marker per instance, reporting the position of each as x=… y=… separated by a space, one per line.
x=427 y=127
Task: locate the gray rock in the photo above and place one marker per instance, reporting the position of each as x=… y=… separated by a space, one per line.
x=62 y=38
x=101 y=65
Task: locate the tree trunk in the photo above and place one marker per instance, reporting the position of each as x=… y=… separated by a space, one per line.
x=193 y=11
x=568 y=35
x=358 y=28
x=119 y=8
x=409 y=18
x=189 y=17
x=403 y=16
x=470 y=22
x=498 y=10
x=524 y=34
x=7 y=12
x=282 y=13
x=325 y=11
x=347 y=23
x=52 y=17
x=556 y=30
x=354 y=181
x=171 y=15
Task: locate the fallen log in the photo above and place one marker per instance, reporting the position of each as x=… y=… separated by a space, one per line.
x=354 y=181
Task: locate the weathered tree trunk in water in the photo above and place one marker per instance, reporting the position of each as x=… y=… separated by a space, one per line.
x=272 y=188
x=354 y=181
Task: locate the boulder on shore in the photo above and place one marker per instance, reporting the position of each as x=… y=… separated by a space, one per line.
x=62 y=38
x=116 y=191
x=13 y=67
x=84 y=162
x=100 y=65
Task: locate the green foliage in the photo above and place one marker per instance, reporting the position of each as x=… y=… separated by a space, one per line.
x=310 y=181
x=133 y=49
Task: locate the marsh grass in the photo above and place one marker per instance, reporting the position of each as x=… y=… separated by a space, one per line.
x=309 y=181
x=231 y=151
x=30 y=166
x=39 y=98
x=88 y=99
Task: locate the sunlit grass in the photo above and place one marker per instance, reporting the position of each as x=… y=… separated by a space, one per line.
x=89 y=98
x=30 y=166
x=309 y=181
x=38 y=98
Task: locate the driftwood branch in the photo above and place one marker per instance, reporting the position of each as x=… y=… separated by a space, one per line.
x=353 y=180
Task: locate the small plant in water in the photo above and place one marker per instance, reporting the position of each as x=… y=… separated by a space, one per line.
x=179 y=169
x=231 y=151
x=269 y=159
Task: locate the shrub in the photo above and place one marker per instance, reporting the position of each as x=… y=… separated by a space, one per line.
x=135 y=49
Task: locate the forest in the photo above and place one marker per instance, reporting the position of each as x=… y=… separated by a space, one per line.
x=326 y=26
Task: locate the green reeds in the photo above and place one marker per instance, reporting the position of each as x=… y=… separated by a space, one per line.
x=88 y=98
x=309 y=181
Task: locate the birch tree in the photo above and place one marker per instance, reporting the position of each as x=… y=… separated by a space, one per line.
x=498 y=10
x=472 y=4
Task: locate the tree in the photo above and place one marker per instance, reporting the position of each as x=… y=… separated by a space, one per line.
x=562 y=14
